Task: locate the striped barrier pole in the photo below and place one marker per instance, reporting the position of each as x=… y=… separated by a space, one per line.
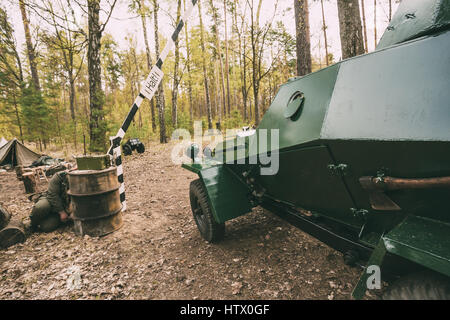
x=148 y=90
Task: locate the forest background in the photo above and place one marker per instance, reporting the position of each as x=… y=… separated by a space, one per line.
x=71 y=69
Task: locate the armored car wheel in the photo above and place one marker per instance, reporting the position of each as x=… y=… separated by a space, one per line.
x=210 y=230
x=419 y=286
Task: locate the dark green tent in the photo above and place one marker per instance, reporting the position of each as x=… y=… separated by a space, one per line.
x=16 y=154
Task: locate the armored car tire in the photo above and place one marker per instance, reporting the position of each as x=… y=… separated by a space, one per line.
x=209 y=229
x=419 y=286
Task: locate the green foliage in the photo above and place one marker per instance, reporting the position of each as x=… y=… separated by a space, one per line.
x=10 y=80
x=36 y=115
x=111 y=61
x=184 y=121
x=98 y=130
x=234 y=121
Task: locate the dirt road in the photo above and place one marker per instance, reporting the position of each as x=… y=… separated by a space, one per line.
x=159 y=254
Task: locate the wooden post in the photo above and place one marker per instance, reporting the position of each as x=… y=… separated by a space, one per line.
x=19 y=172
x=29 y=181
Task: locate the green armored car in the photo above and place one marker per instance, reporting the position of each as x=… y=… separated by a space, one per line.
x=362 y=145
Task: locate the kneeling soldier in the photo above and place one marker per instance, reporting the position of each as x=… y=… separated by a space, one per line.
x=52 y=207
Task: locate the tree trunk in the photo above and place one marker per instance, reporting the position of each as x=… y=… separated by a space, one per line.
x=390 y=10
x=71 y=94
x=152 y=109
x=205 y=75
x=72 y=107
x=30 y=49
x=19 y=123
x=160 y=101
x=255 y=73
x=242 y=67
x=219 y=57
x=364 y=26
x=245 y=91
x=149 y=58
x=136 y=85
x=375 y=23
x=58 y=125
x=302 y=37
x=324 y=35
x=176 y=79
x=97 y=125
x=350 y=28
x=217 y=97
x=188 y=64
x=256 y=57
x=227 y=66
x=320 y=54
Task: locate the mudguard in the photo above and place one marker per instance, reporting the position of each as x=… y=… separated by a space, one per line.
x=228 y=196
x=423 y=241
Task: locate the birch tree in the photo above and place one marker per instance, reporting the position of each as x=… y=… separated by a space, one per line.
x=160 y=100
x=205 y=75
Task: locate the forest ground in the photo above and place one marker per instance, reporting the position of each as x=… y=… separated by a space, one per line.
x=159 y=253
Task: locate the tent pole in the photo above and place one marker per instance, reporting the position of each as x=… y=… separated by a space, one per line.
x=12 y=156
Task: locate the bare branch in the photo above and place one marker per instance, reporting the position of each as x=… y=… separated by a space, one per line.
x=109 y=15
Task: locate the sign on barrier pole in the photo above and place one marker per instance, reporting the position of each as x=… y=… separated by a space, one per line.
x=148 y=90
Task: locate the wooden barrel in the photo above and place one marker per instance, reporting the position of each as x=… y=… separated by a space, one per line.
x=5 y=216
x=95 y=201
x=98 y=227
x=12 y=234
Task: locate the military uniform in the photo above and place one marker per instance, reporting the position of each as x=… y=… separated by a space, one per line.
x=45 y=214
